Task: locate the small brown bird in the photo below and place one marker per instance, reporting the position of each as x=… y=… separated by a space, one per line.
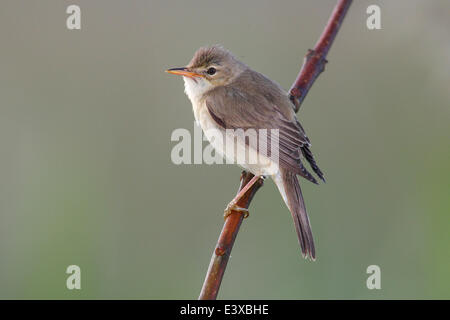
x=226 y=96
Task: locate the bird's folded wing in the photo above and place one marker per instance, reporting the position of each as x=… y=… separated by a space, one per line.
x=232 y=109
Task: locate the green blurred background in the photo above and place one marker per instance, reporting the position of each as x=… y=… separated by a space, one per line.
x=86 y=177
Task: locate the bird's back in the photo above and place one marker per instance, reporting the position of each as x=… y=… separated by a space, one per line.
x=258 y=89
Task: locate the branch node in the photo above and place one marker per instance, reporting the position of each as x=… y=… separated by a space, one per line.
x=220 y=251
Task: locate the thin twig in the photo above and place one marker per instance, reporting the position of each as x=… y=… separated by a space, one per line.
x=315 y=60
x=313 y=65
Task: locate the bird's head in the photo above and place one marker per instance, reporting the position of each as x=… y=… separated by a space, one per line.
x=210 y=67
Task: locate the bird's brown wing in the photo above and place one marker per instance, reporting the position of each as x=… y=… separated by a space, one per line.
x=234 y=109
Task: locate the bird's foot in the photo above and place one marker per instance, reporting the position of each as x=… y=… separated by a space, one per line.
x=232 y=206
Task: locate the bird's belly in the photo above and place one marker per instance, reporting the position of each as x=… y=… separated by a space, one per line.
x=232 y=147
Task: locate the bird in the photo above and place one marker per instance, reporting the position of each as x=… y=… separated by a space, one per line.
x=228 y=96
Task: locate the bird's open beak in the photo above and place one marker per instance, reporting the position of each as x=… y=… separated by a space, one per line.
x=184 y=72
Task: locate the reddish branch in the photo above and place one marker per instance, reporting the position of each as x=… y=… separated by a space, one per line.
x=313 y=65
x=225 y=243
x=315 y=60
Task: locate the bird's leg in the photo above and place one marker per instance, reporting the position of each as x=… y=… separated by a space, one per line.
x=232 y=206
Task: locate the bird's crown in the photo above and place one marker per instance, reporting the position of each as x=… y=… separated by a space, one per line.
x=210 y=55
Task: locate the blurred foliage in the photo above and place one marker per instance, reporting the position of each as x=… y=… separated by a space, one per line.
x=86 y=177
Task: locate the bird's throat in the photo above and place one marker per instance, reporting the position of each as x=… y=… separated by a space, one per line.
x=196 y=88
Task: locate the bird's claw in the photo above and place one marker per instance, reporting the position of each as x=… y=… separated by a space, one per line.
x=232 y=206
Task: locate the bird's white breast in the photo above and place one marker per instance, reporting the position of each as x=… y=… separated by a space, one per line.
x=195 y=89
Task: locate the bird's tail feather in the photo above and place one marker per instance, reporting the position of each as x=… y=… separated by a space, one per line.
x=289 y=187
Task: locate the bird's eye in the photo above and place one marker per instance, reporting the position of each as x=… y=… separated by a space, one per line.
x=211 y=71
